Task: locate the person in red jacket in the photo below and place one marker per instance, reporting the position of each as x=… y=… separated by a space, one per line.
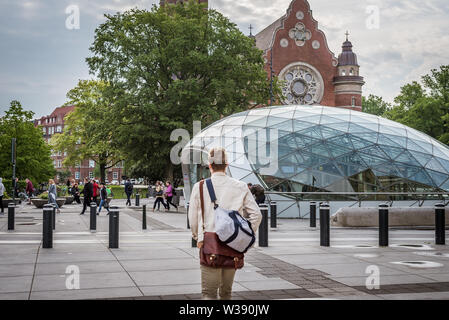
x=96 y=189
x=29 y=190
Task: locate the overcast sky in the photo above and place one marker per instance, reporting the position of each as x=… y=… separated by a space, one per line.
x=41 y=59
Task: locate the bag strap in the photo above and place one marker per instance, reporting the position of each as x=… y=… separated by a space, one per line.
x=212 y=195
x=202 y=200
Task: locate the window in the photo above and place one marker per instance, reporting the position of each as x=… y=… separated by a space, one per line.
x=77 y=175
x=353 y=101
x=65 y=154
x=115 y=175
x=351 y=72
x=59 y=129
x=77 y=164
x=343 y=72
x=91 y=175
x=59 y=164
x=91 y=164
x=54 y=163
x=44 y=130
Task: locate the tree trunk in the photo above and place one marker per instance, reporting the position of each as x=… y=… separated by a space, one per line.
x=169 y=172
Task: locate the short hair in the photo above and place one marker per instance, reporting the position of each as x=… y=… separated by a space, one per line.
x=218 y=159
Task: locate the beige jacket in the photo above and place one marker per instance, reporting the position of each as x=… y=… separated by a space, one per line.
x=231 y=195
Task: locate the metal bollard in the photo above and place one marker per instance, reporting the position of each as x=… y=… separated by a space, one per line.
x=440 y=224
x=273 y=214
x=113 y=228
x=93 y=217
x=47 y=229
x=383 y=225
x=144 y=217
x=313 y=214
x=11 y=216
x=137 y=200
x=324 y=225
x=263 y=228
x=194 y=243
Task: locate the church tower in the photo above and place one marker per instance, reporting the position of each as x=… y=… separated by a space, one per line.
x=348 y=83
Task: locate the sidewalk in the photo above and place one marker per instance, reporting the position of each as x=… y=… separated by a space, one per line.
x=160 y=264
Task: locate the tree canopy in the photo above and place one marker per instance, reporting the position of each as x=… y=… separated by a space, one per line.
x=32 y=153
x=423 y=105
x=169 y=66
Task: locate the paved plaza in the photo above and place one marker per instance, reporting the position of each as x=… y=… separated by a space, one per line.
x=160 y=263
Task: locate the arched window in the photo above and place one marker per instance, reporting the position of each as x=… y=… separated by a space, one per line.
x=343 y=72
x=351 y=72
x=353 y=101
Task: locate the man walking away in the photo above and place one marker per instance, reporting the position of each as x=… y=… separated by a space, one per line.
x=128 y=191
x=88 y=194
x=103 y=199
x=29 y=190
x=2 y=192
x=231 y=194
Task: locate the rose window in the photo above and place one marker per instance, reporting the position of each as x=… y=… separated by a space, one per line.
x=302 y=84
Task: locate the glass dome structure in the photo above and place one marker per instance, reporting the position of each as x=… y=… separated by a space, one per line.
x=326 y=149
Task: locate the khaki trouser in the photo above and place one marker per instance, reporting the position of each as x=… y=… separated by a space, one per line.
x=215 y=280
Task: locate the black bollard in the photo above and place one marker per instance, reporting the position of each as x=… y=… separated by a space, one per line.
x=93 y=217
x=383 y=225
x=137 y=199
x=114 y=228
x=440 y=224
x=263 y=228
x=273 y=214
x=324 y=225
x=313 y=214
x=144 y=217
x=47 y=229
x=11 y=216
x=194 y=243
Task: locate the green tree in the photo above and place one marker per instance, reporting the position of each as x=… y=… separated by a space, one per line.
x=375 y=105
x=88 y=129
x=32 y=152
x=170 y=66
x=425 y=106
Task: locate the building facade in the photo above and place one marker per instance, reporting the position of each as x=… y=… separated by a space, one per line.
x=296 y=51
x=54 y=124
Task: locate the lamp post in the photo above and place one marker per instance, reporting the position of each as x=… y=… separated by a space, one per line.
x=13 y=160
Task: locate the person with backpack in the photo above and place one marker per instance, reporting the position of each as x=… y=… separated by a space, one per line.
x=128 y=191
x=159 y=197
x=219 y=261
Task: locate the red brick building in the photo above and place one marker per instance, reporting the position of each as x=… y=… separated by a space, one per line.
x=298 y=53
x=53 y=124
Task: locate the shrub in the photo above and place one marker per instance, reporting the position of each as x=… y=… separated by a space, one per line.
x=43 y=195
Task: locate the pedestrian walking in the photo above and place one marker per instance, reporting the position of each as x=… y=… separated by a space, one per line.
x=169 y=193
x=128 y=191
x=88 y=194
x=159 y=197
x=2 y=192
x=231 y=194
x=29 y=190
x=96 y=191
x=103 y=199
x=52 y=194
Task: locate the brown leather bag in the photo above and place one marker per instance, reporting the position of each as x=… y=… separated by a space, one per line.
x=215 y=253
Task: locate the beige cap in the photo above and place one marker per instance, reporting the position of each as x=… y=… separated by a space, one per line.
x=218 y=155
